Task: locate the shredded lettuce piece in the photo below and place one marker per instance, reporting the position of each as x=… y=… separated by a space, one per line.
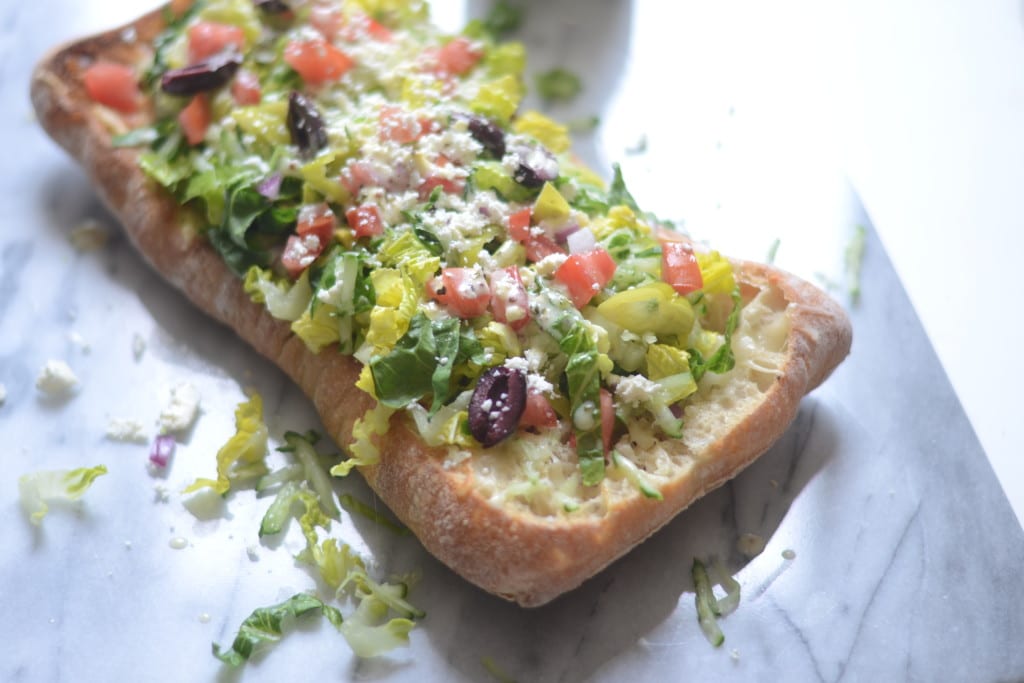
x=499 y=98
x=302 y=445
x=281 y=509
x=243 y=454
x=707 y=605
x=336 y=562
x=552 y=135
x=503 y=18
x=635 y=476
x=367 y=632
x=716 y=272
x=264 y=626
x=854 y=259
x=722 y=360
x=284 y=300
x=35 y=488
x=364 y=452
x=318 y=327
x=558 y=85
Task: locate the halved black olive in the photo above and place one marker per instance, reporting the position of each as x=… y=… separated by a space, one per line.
x=488 y=134
x=272 y=6
x=497 y=404
x=305 y=125
x=208 y=74
x=536 y=166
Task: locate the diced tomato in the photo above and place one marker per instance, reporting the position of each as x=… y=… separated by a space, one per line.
x=365 y=220
x=327 y=20
x=679 y=267
x=584 y=275
x=519 y=224
x=540 y=247
x=316 y=219
x=448 y=184
x=359 y=174
x=207 y=38
x=607 y=419
x=246 y=88
x=300 y=252
x=538 y=411
x=317 y=61
x=361 y=26
x=398 y=126
x=195 y=118
x=509 y=301
x=458 y=56
x=537 y=246
x=463 y=291
x=113 y=85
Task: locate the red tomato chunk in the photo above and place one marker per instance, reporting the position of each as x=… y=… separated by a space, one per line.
x=207 y=38
x=584 y=275
x=113 y=85
x=679 y=267
x=317 y=61
x=509 y=301
x=365 y=220
x=463 y=291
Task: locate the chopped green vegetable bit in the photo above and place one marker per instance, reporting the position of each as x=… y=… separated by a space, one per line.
x=503 y=18
x=854 y=260
x=558 y=85
x=707 y=605
x=264 y=626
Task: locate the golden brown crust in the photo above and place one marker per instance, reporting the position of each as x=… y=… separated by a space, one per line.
x=522 y=557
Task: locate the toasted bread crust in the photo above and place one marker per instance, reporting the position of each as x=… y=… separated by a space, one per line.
x=520 y=556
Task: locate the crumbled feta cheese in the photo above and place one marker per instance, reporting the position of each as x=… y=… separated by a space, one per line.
x=547 y=266
x=181 y=412
x=517 y=363
x=122 y=429
x=636 y=389
x=56 y=379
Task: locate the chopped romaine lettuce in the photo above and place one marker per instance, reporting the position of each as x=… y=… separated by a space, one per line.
x=242 y=455
x=36 y=488
x=263 y=626
x=558 y=85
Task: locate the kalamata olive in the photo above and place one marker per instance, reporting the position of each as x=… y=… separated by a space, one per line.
x=272 y=6
x=497 y=404
x=208 y=74
x=488 y=134
x=536 y=166
x=305 y=125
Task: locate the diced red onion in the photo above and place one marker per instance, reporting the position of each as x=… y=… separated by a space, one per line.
x=162 y=450
x=562 y=236
x=581 y=241
x=271 y=187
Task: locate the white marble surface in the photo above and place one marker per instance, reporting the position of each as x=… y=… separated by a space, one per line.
x=907 y=552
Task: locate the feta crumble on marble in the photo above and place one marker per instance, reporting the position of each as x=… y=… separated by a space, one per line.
x=182 y=410
x=56 y=379
x=125 y=429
